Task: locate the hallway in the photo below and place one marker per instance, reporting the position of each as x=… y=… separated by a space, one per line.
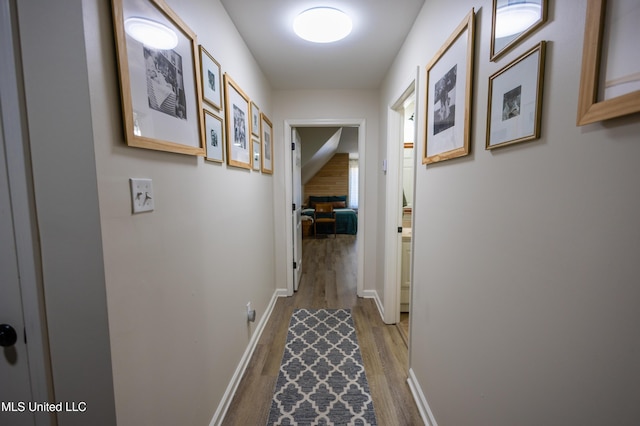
x=329 y=281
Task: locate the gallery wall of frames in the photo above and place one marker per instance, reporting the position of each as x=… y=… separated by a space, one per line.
x=175 y=96
x=609 y=81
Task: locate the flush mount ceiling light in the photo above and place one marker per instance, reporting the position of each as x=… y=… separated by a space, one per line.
x=322 y=25
x=150 y=33
x=516 y=17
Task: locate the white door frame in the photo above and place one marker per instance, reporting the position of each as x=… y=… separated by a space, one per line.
x=393 y=212
x=289 y=124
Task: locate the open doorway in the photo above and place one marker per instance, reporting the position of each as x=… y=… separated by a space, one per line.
x=399 y=209
x=353 y=125
x=325 y=173
x=407 y=164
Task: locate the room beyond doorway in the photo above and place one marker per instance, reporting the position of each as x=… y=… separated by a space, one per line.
x=289 y=126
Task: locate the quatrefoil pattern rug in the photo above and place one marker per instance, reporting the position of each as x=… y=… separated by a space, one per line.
x=322 y=379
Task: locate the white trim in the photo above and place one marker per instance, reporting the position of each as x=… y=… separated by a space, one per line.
x=360 y=247
x=373 y=294
x=421 y=400
x=232 y=387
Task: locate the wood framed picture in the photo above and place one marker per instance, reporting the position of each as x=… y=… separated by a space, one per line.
x=610 y=76
x=513 y=21
x=214 y=137
x=255 y=120
x=255 y=159
x=159 y=77
x=266 y=139
x=238 y=126
x=515 y=100
x=449 y=88
x=211 y=79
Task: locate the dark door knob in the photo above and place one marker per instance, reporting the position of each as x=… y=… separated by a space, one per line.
x=8 y=335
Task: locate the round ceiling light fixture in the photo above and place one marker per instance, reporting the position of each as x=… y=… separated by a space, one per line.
x=150 y=33
x=322 y=25
x=516 y=17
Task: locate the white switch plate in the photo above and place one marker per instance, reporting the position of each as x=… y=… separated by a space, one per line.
x=142 y=198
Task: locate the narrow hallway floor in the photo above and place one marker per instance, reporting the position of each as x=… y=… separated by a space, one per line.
x=329 y=281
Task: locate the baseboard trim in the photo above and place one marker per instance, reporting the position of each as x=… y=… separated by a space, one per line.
x=421 y=400
x=221 y=411
x=372 y=294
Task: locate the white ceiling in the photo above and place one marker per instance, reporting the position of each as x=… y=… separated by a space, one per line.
x=358 y=62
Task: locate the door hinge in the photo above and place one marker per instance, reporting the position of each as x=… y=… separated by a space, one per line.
x=399 y=229
x=293 y=206
x=295 y=265
x=293 y=146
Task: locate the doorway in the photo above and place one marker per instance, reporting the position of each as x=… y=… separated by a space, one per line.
x=398 y=219
x=289 y=125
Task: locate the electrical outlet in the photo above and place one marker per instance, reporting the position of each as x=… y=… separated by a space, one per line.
x=251 y=313
x=141 y=195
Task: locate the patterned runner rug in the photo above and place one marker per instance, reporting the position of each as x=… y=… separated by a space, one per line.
x=322 y=379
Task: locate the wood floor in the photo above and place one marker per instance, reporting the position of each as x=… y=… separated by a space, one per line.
x=329 y=281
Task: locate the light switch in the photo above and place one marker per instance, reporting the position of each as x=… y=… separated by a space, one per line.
x=141 y=195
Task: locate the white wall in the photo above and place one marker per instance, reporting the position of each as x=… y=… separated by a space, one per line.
x=526 y=271
x=178 y=278
x=330 y=105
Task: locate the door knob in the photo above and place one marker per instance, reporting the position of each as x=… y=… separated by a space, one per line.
x=8 y=335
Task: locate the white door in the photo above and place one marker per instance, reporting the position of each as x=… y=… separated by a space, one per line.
x=15 y=388
x=18 y=368
x=296 y=184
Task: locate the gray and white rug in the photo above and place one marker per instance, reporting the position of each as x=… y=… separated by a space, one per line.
x=322 y=379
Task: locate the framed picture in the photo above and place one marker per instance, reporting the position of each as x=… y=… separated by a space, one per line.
x=610 y=76
x=449 y=88
x=266 y=130
x=255 y=120
x=515 y=100
x=238 y=130
x=211 y=81
x=513 y=21
x=159 y=82
x=255 y=159
x=214 y=137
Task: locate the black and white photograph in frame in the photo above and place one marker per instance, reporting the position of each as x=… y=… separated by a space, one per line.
x=238 y=119
x=214 y=137
x=449 y=90
x=511 y=103
x=165 y=84
x=256 y=162
x=211 y=79
x=515 y=100
x=444 y=109
x=255 y=120
x=266 y=130
x=159 y=85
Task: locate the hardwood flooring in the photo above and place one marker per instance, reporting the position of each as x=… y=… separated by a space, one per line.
x=329 y=281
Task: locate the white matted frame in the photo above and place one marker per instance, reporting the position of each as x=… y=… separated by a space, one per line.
x=160 y=89
x=255 y=120
x=515 y=100
x=238 y=130
x=508 y=17
x=266 y=141
x=255 y=159
x=211 y=79
x=449 y=89
x=610 y=76
x=214 y=137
